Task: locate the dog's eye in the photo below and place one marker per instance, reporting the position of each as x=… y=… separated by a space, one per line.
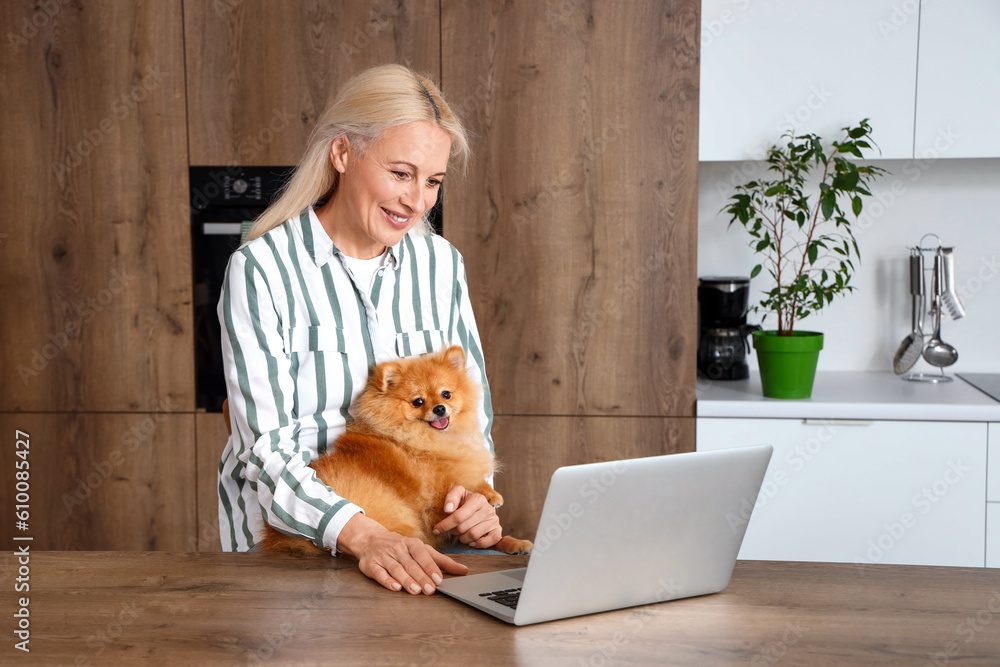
x=446 y=395
x=418 y=402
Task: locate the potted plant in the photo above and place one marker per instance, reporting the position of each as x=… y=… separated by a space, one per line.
x=806 y=245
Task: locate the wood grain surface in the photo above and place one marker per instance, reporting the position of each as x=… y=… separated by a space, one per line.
x=530 y=448
x=578 y=217
x=96 y=269
x=103 y=481
x=94 y=608
x=210 y=440
x=260 y=73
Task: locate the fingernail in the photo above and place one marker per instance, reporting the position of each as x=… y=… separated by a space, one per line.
x=449 y=507
x=429 y=589
x=395 y=586
x=415 y=587
x=437 y=578
x=437 y=532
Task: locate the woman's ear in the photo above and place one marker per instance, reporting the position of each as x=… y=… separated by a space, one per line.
x=341 y=152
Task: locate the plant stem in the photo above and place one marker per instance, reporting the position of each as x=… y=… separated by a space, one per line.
x=805 y=254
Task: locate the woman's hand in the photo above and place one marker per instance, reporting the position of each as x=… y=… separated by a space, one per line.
x=392 y=560
x=471 y=517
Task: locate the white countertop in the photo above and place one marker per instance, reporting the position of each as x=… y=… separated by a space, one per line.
x=851 y=395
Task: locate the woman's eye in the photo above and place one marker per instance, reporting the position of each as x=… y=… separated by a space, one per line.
x=418 y=402
x=400 y=174
x=434 y=183
x=446 y=395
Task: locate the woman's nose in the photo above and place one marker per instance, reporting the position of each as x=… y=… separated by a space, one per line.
x=410 y=197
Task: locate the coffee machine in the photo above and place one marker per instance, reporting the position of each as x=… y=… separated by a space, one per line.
x=722 y=327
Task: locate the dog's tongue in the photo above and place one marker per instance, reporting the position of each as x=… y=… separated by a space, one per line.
x=440 y=423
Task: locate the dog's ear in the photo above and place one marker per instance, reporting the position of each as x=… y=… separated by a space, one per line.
x=454 y=356
x=384 y=376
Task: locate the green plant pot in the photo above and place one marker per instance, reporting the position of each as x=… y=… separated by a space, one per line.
x=787 y=363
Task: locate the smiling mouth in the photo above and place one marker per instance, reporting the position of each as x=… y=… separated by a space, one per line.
x=394 y=218
x=440 y=424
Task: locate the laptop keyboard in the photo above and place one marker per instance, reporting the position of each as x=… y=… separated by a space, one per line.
x=507 y=597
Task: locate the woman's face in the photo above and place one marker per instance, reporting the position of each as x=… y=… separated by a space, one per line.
x=384 y=193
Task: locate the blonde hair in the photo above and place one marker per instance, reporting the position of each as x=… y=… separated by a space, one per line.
x=367 y=106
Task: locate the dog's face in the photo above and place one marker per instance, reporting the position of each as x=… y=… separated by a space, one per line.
x=421 y=395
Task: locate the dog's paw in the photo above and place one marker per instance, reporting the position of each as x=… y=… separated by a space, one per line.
x=513 y=546
x=492 y=497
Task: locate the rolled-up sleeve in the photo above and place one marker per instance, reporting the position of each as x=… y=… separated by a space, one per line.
x=261 y=391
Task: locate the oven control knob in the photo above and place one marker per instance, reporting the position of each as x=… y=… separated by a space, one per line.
x=240 y=186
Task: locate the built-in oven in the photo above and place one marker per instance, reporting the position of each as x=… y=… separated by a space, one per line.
x=224 y=202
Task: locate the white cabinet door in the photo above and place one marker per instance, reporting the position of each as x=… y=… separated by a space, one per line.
x=882 y=492
x=768 y=66
x=958 y=85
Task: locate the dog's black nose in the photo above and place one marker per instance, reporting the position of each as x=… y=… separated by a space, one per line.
x=439 y=410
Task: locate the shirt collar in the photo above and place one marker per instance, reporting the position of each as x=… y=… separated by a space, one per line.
x=321 y=247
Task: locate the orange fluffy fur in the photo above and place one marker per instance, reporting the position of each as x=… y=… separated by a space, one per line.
x=393 y=461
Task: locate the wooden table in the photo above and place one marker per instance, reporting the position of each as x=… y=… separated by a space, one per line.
x=99 y=608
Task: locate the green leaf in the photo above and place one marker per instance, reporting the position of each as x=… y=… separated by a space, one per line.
x=813 y=252
x=857 y=133
x=829 y=202
x=756 y=270
x=763 y=244
x=856 y=205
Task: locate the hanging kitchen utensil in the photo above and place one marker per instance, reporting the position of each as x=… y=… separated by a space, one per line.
x=950 y=297
x=939 y=353
x=910 y=349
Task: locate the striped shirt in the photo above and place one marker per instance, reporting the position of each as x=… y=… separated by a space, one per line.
x=299 y=334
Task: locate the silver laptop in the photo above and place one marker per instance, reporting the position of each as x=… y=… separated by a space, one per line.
x=626 y=533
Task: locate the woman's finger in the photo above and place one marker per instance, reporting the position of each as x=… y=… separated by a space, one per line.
x=488 y=540
x=473 y=503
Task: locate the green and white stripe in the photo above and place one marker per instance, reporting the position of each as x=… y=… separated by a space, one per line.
x=298 y=338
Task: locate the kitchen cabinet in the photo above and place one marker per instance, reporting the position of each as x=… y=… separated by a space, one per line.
x=96 y=274
x=105 y=481
x=769 y=67
x=260 y=73
x=863 y=492
x=958 y=90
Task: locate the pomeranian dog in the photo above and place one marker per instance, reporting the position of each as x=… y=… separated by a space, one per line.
x=414 y=435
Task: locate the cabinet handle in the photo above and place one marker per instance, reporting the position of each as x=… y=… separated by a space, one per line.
x=838 y=422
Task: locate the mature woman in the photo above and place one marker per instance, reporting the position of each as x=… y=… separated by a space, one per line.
x=339 y=274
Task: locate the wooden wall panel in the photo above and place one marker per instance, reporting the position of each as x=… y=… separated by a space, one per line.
x=531 y=448
x=210 y=440
x=260 y=73
x=96 y=270
x=578 y=218
x=103 y=481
